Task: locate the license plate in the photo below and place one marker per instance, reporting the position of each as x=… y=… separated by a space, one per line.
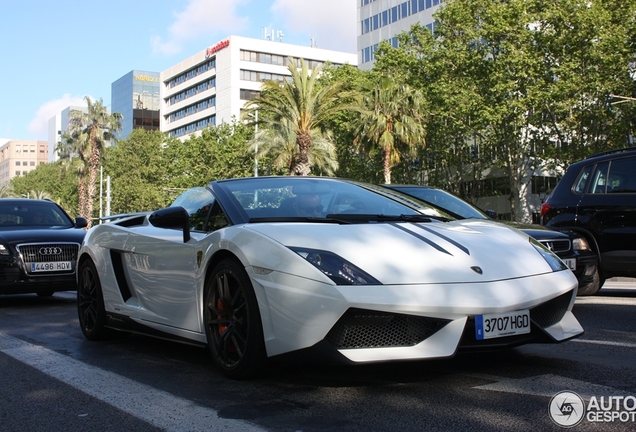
x=571 y=263
x=51 y=266
x=500 y=325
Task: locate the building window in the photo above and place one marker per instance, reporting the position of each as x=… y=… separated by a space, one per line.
x=247 y=94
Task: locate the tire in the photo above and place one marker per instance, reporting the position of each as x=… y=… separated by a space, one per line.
x=591 y=287
x=90 y=303
x=233 y=323
x=44 y=293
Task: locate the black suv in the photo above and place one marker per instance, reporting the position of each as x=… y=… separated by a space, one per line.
x=597 y=198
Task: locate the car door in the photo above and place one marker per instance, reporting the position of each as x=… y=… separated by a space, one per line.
x=608 y=210
x=165 y=271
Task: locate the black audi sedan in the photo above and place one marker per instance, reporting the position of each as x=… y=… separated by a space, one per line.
x=38 y=247
x=571 y=247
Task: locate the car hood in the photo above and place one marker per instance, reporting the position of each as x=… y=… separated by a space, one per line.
x=538 y=232
x=17 y=236
x=399 y=253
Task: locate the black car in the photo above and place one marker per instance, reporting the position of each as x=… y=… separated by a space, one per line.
x=597 y=199
x=571 y=247
x=38 y=247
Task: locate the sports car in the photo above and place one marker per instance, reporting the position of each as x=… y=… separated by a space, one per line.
x=38 y=247
x=266 y=268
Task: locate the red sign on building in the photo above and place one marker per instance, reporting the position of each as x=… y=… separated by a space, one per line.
x=214 y=48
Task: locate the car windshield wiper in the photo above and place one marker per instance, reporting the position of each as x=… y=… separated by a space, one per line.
x=387 y=218
x=328 y=219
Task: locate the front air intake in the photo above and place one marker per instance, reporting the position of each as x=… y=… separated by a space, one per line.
x=359 y=328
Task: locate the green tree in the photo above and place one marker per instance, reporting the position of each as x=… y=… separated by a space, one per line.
x=219 y=152
x=138 y=172
x=6 y=191
x=303 y=103
x=516 y=85
x=93 y=130
x=72 y=156
x=51 y=180
x=392 y=116
x=279 y=144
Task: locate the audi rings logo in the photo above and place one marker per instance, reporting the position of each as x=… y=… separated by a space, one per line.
x=50 y=251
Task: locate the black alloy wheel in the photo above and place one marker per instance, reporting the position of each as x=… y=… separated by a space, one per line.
x=232 y=322
x=90 y=303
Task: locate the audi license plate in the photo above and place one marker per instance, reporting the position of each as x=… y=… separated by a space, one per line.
x=51 y=266
x=571 y=263
x=500 y=325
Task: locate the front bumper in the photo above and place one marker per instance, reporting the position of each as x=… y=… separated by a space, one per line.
x=408 y=322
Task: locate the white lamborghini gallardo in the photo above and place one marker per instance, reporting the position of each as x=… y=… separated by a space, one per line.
x=258 y=268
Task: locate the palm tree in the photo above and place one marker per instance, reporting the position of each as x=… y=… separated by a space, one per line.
x=72 y=154
x=40 y=195
x=93 y=129
x=280 y=143
x=303 y=103
x=6 y=191
x=392 y=116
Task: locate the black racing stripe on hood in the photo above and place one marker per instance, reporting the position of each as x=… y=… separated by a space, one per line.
x=448 y=239
x=424 y=239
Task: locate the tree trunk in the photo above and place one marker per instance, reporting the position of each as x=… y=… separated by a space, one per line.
x=301 y=165
x=386 y=163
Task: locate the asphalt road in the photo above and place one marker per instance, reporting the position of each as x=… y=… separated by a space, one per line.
x=52 y=379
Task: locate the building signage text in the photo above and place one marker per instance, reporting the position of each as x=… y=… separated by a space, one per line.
x=146 y=78
x=214 y=48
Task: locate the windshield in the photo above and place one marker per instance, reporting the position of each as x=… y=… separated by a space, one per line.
x=443 y=200
x=320 y=198
x=32 y=214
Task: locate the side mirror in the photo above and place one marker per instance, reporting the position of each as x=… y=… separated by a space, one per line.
x=80 y=222
x=172 y=218
x=491 y=214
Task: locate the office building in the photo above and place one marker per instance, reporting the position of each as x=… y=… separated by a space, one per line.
x=136 y=96
x=58 y=124
x=18 y=157
x=212 y=86
x=383 y=20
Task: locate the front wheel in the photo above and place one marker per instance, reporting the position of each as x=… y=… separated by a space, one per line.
x=233 y=322
x=593 y=286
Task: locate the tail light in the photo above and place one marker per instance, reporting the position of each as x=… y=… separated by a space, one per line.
x=545 y=207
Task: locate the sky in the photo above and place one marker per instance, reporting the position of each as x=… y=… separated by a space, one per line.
x=53 y=53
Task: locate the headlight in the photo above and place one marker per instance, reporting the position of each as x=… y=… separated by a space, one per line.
x=339 y=270
x=553 y=261
x=3 y=250
x=580 y=244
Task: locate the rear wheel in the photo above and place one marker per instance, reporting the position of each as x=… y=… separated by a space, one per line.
x=232 y=321
x=90 y=303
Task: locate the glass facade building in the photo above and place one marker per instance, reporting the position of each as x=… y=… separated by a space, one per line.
x=383 y=20
x=136 y=96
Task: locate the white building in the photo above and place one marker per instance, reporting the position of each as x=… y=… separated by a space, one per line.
x=383 y=20
x=58 y=124
x=18 y=157
x=212 y=86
